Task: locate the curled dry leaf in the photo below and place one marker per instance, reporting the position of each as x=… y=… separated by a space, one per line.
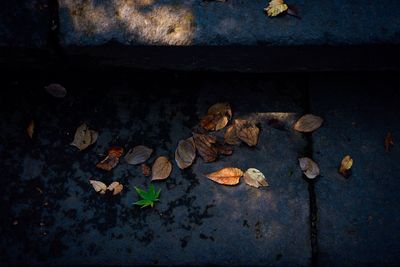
x=230 y=136
x=56 y=90
x=84 y=137
x=247 y=132
x=388 y=142
x=112 y=159
x=309 y=167
x=275 y=7
x=116 y=187
x=185 y=153
x=255 y=178
x=30 y=129
x=218 y=116
x=161 y=169
x=226 y=176
x=345 y=166
x=205 y=146
x=99 y=186
x=138 y=155
x=308 y=123
x=146 y=170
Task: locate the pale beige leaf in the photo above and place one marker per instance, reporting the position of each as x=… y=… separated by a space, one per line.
x=309 y=167
x=185 y=153
x=275 y=7
x=138 y=155
x=84 y=137
x=255 y=178
x=161 y=169
x=226 y=176
x=116 y=187
x=345 y=166
x=308 y=123
x=30 y=129
x=56 y=90
x=230 y=136
x=99 y=186
x=247 y=132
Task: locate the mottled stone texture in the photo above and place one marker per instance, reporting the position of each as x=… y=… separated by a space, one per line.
x=24 y=23
x=358 y=217
x=51 y=214
x=199 y=22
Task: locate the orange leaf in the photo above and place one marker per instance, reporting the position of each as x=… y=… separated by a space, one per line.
x=345 y=166
x=112 y=159
x=226 y=176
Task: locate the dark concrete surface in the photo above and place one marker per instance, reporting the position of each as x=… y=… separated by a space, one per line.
x=358 y=217
x=234 y=22
x=51 y=215
x=25 y=24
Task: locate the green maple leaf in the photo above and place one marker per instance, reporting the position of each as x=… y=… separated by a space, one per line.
x=148 y=197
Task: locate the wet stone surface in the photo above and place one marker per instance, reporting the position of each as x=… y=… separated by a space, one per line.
x=52 y=215
x=234 y=22
x=358 y=217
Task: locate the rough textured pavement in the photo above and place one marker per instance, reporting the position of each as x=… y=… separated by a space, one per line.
x=234 y=22
x=358 y=217
x=51 y=215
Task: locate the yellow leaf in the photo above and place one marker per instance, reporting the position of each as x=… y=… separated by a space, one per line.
x=275 y=7
x=226 y=176
x=345 y=166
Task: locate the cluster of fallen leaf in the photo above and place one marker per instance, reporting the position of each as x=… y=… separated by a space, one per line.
x=204 y=142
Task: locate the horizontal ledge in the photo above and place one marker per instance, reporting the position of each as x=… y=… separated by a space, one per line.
x=261 y=58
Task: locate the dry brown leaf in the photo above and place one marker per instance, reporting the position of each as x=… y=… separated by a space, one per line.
x=275 y=7
x=112 y=159
x=218 y=116
x=185 y=153
x=30 y=129
x=84 y=137
x=345 y=166
x=161 y=169
x=255 y=178
x=230 y=136
x=226 y=176
x=309 y=167
x=116 y=187
x=138 y=155
x=99 y=186
x=247 y=132
x=308 y=123
x=205 y=146
x=56 y=90
x=388 y=142
x=146 y=170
